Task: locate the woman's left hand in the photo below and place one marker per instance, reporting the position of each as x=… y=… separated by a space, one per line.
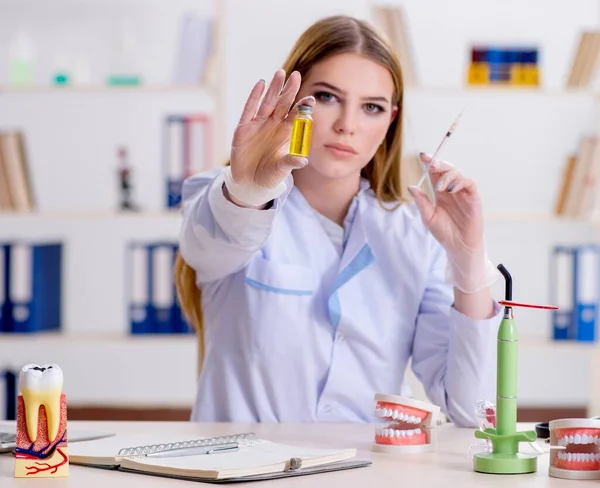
x=456 y=219
x=456 y=222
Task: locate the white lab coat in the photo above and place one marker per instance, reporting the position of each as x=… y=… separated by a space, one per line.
x=297 y=333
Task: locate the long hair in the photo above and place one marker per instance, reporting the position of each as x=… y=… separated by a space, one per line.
x=327 y=37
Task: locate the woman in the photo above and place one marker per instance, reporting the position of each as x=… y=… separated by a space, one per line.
x=318 y=282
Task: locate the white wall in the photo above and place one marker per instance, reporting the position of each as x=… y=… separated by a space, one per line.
x=443 y=32
x=89 y=29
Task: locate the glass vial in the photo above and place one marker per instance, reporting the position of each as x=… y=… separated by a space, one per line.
x=302 y=131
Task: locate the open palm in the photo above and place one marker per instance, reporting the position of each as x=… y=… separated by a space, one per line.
x=259 y=151
x=456 y=218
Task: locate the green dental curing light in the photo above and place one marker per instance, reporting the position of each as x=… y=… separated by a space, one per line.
x=504 y=457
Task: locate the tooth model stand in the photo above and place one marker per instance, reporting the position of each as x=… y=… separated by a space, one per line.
x=505 y=457
x=42 y=449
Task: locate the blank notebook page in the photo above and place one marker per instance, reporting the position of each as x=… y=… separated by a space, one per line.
x=262 y=453
x=108 y=448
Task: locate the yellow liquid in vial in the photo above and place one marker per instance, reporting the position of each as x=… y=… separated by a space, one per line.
x=301 y=136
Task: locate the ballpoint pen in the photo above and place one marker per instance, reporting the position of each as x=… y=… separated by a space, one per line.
x=192 y=451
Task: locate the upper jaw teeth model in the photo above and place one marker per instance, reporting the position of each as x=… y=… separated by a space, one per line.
x=411 y=424
x=575 y=449
x=41 y=385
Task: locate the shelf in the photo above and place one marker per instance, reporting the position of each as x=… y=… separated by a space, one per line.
x=86 y=215
x=499 y=89
x=537 y=217
x=91 y=379
x=490 y=217
x=433 y=90
x=88 y=379
x=53 y=338
x=105 y=89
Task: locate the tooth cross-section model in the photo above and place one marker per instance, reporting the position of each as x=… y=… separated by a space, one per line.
x=41 y=449
x=411 y=424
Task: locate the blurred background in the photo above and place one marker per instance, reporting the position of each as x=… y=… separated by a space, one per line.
x=106 y=106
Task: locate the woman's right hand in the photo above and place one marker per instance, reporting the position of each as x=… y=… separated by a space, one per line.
x=259 y=152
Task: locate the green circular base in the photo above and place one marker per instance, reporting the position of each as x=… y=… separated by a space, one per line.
x=496 y=463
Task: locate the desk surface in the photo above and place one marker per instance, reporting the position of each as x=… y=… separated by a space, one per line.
x=448 y=464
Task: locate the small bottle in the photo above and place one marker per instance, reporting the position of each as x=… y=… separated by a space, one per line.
x=302 y=131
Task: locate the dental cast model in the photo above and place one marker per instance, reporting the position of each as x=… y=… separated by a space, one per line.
x=411 y=424
x=575 y=449
x=41 y=449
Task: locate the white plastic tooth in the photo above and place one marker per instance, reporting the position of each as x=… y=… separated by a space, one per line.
x=388 y=412
x=41 y=385
x=410 y=433
x=417 y=431
x=395 y=414
x=577 y=439
x=398 y=434
x=585 y=439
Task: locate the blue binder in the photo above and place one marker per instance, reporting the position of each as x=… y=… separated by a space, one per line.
x=586 y=292
x=5 y=323
x=153 y=306
x=10 y=395
x=562 y=292
x=139 y=263
x=33 y=287
x=162 y=289
x=174 y=144
x=575 y=282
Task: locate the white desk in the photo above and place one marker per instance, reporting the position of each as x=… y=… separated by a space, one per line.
x=448 y=466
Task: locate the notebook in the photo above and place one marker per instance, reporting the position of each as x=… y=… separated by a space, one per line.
x=240 y=457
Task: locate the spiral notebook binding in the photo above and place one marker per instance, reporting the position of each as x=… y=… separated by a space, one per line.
x=241 y=439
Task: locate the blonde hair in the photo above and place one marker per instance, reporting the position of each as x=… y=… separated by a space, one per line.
x=327 y=37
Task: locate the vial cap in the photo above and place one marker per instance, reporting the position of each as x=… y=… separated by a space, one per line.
x=305 y=109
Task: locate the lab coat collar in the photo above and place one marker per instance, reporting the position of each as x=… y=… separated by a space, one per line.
x=357 y=252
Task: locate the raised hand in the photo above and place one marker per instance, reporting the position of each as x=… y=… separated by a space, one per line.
x=456 y=221
x=259 y=152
